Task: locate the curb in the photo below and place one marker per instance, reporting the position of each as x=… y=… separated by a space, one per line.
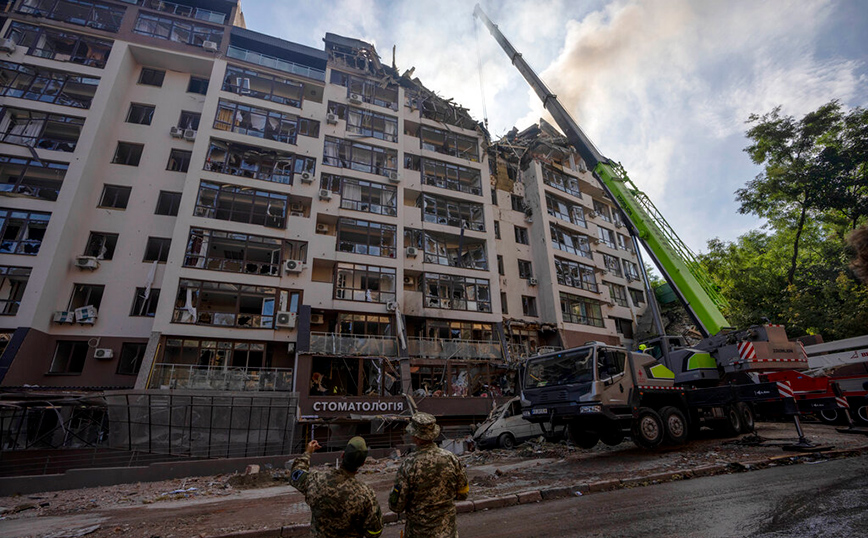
x=578 y=490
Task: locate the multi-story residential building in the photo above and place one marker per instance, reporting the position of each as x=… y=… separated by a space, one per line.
x=188 y=205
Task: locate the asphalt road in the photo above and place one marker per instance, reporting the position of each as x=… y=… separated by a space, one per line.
x=822 y=500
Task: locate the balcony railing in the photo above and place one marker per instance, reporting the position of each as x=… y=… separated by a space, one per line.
x=185 y=11
x=353 y=344
x=453 y=349
x=275 y=63
x=191 y=376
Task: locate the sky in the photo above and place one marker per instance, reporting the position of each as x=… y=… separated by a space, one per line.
x=665 y=87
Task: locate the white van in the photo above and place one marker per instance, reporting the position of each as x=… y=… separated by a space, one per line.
x=505 y=428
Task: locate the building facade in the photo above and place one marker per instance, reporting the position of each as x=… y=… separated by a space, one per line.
x=190 y=205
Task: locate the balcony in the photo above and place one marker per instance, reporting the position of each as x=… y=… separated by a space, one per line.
x=185 y=11
x=353 y=345
x=191 y=376
x=454 y=349
x=275 y=63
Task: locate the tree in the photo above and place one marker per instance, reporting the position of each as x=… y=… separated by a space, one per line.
x=811 y=168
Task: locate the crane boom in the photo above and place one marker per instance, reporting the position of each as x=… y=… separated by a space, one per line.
x=679 y=266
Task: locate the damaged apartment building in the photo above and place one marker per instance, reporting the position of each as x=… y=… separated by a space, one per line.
x=200 y=221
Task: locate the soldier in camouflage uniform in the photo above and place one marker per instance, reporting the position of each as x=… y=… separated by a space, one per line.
x=340 y=505
x=428 y=480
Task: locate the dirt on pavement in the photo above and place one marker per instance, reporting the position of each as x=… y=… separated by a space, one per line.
x=222 y=504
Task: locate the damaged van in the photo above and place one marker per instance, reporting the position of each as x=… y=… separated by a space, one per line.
x=505 y=428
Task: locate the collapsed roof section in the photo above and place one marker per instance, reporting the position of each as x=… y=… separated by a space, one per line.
x=360 y=57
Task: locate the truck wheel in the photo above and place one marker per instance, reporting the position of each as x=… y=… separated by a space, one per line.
x=674 y=425
x=748 y=418
x=612 y=437
x=506 y=440
x=732 y=422
x=829 y=416
x=861 y=414
x=647 y=428
x=583 y=438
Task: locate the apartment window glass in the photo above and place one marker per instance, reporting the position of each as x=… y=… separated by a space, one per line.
x=517 y=203
x=612 y=264
x=455 y=292
x=567 y=241
x=46 y=85
x=618 y=294
x=607 y=237
x=145 y=302
x=366 y=123
x=233 y=252
x=152 y=77
x=179 y=160
x=503 y=303
x=528 y=306
x=624 y=243
x=624 y=327
x=168 y=203
x=364 y=237
x=176 y=30
x=602 y=211
x=560 y=209
x=263 y=86
x=128 y=153
x=447 y=249
x=60 y=46
x=231 y=305
x=157 y=249
x=69 y=357
x=631 y=270
x=525 y=269
x=369 y=283
x=263 y=123
x=497 y=229
x=580 y=310
x=637 y=296
x=189 y=120
x=40 y=179
x=241 y=204
x=41 y=130
x=131 y=358
x=13 y=281
x=451 y=176
x=252 y=162
x=198 y=85
x=86 y=295
x=562 y=182
x=140 y=114
x=360 y=157
x=451 y=212
x=21 y=232
x=370 y=197
x=115 y=196
x=88 y=13
x=575 y=275
x=521 y=235
x=101 y=245
x=369 y=91
x=500 y=265
x=449 y=143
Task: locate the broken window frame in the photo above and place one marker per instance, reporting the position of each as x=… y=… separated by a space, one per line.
x=607 y=237
x=360 y=157
x=246 y=81
x=525 y=269
x=366 y=123
x=157 y=249
x=178 y=31
x=565 y=211
x=576 y=275
x=603 y=211
x=618 y=294
x=452 y=212
x=449 y=143
x=454 y=292
x=140 y=114
x=368 y=197
x=372 y=92
x=44 y=42
x=234 y=203
x=223 y=304
x=571 y=242
x=442 y=249
x=22 y=232
x=520 y=235
x=631 y=270
x=31 y=178
x=366 y=237
x=263 y=123
x=69 y=357
x=36 y=129
x=131 y=358
x=101 y=245
x=254 y=162
x=90 y=13
x=179 y=160
x=233 y=252
x=365 y=283
x=145 y=307
x=168 y=203
x=561 y=181
x=612 y=264
x=13 y=283
x=86 y=295
x=450 y=176
x=528 y=306
x=637 y=297
x=36 y=83
x=581 y=310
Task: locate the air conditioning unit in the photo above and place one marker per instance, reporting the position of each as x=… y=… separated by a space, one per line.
x=189 y=134
x=619 y=224
x=7 y=45
x=296 y=213
x=595 y=241
x=296 y=206
x=103 y=353
x=332 y=119
x=325 y=194
x=394 y=177
x=412 y=252
x=316 y=319
x=306 y=177
x=176 y=132
x=210 y=46
x=85 y=314
x=285 y=320
x=528 y=218
x=64 y=316
x=86 y=262
x=355 y=99
x=322 y=228
x=582 y=166
x=391 y=306
x=293 y=266
x=409 y=281
x=532 y=281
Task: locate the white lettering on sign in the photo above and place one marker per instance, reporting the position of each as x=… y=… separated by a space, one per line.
x=369 y=406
